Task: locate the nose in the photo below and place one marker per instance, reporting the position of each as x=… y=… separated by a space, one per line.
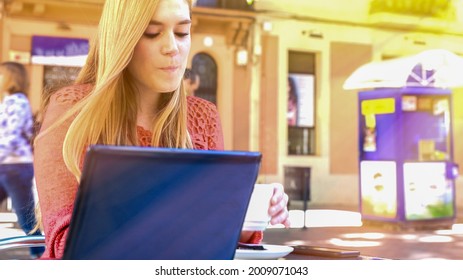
x=169 y=44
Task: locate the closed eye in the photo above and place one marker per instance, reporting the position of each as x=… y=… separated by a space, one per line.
x=154 y=35
x=151 y=35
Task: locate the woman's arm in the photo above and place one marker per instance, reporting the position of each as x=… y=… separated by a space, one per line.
x=56 y=186
x=215 y=142
x=209 y=136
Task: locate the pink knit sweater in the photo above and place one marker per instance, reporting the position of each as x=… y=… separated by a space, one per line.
x=57 y=186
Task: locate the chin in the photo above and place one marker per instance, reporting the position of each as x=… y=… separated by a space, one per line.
x=170 y=88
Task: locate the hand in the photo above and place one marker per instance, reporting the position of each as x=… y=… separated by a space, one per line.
x=278 y=209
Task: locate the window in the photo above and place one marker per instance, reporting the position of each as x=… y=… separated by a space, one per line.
x=206 y=68
x=301 y=103
x=56 y=77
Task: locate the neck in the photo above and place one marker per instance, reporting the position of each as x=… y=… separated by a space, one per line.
x=147 y=108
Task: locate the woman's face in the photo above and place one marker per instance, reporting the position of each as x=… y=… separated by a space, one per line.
x=160 y=57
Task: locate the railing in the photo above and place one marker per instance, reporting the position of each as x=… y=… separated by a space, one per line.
x=22 y=242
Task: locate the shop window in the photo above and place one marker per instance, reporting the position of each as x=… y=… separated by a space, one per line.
x=56 y=77
x=206 y=68
x=301 y=103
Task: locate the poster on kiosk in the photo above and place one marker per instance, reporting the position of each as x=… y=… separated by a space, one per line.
x=406 y=167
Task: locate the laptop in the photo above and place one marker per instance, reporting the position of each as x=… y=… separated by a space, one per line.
x=138 y=203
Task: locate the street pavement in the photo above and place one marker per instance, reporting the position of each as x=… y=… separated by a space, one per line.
x=371 y=239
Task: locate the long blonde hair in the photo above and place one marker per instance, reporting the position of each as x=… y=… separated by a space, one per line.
x=108 y=114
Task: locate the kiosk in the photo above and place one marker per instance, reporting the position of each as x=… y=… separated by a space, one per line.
x=406 y=166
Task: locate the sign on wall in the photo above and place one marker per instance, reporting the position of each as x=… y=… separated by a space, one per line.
x=19 y=56
x=59 y=51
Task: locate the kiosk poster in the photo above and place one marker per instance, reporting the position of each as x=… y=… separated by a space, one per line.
x=378 y=188
x=301 y=88
x=428 y=194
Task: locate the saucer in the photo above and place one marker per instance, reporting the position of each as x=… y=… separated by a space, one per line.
x=272 y=252
x=255 y=225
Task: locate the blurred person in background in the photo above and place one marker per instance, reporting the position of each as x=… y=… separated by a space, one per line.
x=191 y=81
x=16 y=156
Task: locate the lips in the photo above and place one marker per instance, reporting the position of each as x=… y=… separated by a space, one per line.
x=169 y=68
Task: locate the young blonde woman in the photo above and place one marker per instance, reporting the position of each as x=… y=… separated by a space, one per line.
x=129 y=93
x=16 y=129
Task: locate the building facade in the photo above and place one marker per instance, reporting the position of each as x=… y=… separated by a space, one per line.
x=246 y=56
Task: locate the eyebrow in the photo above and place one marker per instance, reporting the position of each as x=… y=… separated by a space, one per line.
x=155 y=22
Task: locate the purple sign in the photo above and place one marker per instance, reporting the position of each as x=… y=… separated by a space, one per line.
x=59 y=51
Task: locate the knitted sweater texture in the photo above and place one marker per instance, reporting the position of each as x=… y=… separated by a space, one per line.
x=57 y=186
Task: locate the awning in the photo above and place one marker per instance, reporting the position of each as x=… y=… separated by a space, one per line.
x=432 y=68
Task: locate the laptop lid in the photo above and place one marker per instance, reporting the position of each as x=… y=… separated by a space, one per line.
x=158 y=203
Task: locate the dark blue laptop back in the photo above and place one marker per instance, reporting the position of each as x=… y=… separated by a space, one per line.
x=155 y=203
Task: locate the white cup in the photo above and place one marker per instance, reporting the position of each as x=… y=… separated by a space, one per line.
x=257 y=217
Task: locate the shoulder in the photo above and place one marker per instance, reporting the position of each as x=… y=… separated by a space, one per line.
x=58 y=103
x=204 y=124
x=200 y=106
x=70 y=94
